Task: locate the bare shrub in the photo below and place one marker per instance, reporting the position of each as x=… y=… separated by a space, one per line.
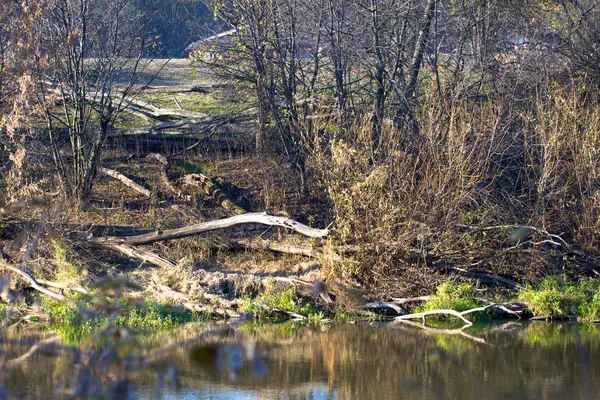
x=452 y=196
x=565 y=163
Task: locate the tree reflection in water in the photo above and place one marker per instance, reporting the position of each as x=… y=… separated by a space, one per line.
x=345 y=361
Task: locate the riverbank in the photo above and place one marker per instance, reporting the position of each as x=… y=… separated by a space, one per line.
x=177 y=211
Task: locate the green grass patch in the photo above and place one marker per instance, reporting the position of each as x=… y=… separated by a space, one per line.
x=452 y=296
x=195 y=102
x=555 y=296
x=286 y=300
x=74 y=321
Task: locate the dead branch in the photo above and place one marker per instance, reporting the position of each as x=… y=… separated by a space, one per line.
x=215 y=191
x=201 y=125
x=270 y=245
x=249 y=218
x=126 y=181
x=518 y=310
x=63 y=286
x=139 y=254
x=32 y=281
x=457 y=314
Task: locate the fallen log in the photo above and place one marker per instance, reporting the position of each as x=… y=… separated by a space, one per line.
x=201 y=125
x=270 y=245
x=249 y=218
x=204 y=88
x=146 y=256
x=215 y=191
x=126 y=181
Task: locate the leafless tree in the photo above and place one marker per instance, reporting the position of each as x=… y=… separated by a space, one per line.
x=95 y=47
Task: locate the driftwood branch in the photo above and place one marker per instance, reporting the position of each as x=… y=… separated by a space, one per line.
x=126 y=181
x=250 y=218
x=516 y=309
x=32 y=281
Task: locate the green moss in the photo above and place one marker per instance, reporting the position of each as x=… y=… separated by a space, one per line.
x=554 y=296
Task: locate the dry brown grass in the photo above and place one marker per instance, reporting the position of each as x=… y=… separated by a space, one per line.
x=449 y=194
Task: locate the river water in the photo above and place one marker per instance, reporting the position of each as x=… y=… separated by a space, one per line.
x=510 y=360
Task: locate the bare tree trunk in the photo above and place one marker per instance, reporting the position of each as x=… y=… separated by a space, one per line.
x=417 y=59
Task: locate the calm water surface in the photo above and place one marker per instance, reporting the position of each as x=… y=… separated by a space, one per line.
x=361 y=361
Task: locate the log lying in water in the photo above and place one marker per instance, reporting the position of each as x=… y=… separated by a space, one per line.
x=515 y=309
x=249 y=218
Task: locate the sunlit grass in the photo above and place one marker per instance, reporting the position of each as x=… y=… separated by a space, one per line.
x=553 y=296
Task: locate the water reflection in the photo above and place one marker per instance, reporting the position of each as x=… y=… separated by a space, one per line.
x=362 y=361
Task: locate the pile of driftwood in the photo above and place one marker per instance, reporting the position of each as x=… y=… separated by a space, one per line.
x=133 y=241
